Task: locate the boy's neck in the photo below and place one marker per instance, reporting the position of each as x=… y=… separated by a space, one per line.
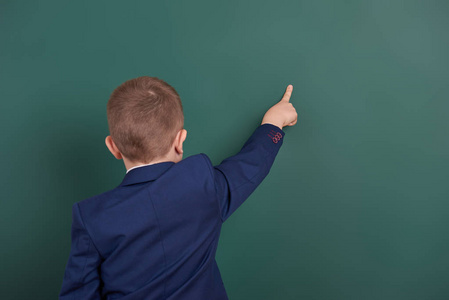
x=130 y=165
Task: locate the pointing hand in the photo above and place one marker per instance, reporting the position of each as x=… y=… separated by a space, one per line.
x=282 y=113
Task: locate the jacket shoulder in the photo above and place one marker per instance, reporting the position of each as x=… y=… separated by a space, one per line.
x=195 y=170
x=89 y=206
x=195 y=165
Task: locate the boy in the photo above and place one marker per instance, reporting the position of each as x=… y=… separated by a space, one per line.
x=155 y=235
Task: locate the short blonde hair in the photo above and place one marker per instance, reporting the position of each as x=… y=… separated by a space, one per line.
x=144 y=115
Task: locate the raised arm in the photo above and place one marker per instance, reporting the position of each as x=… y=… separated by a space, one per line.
x=236 y=177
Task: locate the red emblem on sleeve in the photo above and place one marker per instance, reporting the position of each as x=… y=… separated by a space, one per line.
x=275 y=136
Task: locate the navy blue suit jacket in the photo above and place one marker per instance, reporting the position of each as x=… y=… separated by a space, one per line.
x=155 y=235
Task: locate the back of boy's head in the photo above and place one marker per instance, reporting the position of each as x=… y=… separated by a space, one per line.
x=144 y=116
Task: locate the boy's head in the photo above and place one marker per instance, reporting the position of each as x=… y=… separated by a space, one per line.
x=146 y=122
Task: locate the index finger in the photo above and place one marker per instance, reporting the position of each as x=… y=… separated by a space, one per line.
x=288 y=93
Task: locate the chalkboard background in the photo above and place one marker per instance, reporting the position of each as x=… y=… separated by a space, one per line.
x=356 y=205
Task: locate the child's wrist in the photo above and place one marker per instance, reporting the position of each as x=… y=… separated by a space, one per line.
x=278 y=124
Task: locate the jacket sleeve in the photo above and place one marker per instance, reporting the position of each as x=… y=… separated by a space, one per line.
x=81 y=277
x=236 y=177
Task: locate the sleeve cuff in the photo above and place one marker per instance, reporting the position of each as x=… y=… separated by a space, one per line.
x=270 y=136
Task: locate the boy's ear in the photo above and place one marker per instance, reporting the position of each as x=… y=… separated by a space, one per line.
x=112 y=147
x=182 y=134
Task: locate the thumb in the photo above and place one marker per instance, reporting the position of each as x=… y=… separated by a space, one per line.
x=288 y=94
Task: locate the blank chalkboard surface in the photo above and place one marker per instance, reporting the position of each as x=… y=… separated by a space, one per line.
x=356 y=205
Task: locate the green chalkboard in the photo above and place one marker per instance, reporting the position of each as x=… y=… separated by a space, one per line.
x=356 y=204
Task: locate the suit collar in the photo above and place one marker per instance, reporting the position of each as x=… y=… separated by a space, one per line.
x=146 y=173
